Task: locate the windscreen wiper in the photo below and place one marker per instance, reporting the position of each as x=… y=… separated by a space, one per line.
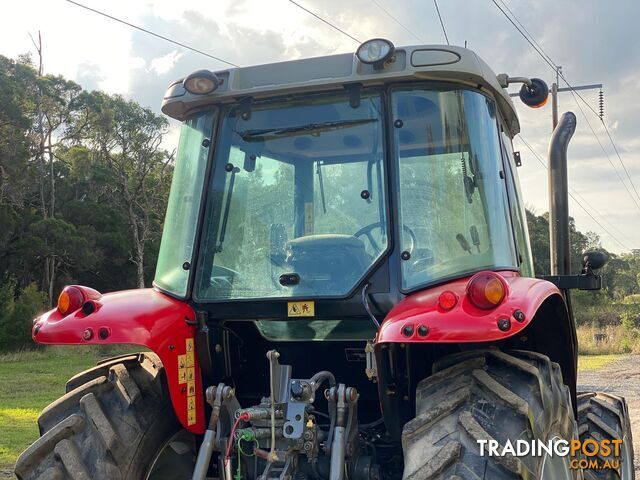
x=269 y=133
x=229 y=167
x=321 y=185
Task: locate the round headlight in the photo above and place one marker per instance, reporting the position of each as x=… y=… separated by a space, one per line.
x=201 y=82
x=376 y=51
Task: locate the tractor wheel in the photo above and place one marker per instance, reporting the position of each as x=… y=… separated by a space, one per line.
x=116 y=421
x=602 y=416
x=494 y=396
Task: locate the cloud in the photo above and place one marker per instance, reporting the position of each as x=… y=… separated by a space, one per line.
x=89 y=76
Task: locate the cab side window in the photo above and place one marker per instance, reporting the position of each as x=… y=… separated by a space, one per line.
x=518 y=213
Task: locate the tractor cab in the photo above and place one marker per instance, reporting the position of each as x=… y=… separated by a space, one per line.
x=355 y=184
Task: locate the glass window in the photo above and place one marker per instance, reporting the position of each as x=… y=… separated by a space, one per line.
x=518 y=213
x=316 y=330
x=453 y=207
x=178 y=235
x=297 y=206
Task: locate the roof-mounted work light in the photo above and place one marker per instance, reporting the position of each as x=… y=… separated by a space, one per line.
x=375 y=52
x=201 y=82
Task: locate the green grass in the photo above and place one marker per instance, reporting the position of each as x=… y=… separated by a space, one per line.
x=588 y=363
x=29 y=381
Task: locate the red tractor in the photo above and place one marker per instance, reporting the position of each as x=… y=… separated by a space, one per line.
x=359 y=219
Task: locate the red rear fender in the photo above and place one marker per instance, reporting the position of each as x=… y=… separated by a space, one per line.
x=465 y=323
x=143 y=317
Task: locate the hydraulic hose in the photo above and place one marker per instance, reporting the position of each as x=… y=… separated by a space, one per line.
x=322 y=376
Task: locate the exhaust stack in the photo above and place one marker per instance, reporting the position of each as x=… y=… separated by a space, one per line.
x=559 y=195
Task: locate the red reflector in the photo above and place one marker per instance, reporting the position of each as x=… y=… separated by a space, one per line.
x=486 y=290
x=447 y=300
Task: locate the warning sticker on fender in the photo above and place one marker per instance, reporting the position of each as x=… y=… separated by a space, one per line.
x=189 y=369
x=182 y=369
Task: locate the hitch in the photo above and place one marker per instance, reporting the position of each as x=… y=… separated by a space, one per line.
x=282 y=436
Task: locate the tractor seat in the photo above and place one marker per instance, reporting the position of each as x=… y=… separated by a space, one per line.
x=328 y=262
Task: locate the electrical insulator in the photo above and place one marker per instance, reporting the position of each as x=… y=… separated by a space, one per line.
x=601 y=103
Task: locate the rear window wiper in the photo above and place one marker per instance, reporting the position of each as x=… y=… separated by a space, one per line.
x=269 y=133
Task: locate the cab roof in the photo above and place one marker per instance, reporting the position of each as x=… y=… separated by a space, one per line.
x=331 y=72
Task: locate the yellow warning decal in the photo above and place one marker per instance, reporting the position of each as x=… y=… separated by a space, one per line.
x=301 y=309
x=182 y=369
x=187 y=374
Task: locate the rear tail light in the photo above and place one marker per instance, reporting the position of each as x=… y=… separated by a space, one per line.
x=486 y=290
x=70 y=300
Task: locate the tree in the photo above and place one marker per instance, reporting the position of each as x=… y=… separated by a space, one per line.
x=57 y=243
x=539 y=235
x=127 y=137
x=16 y=120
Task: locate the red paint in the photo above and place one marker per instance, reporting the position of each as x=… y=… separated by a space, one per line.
x=142 y=317
x=464 y=323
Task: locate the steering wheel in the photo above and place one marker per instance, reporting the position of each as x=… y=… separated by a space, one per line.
x=224 y=277
x=368 y=229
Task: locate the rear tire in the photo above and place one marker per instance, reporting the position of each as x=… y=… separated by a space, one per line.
x=111 y=424
x=602 y=416
x=483 y=395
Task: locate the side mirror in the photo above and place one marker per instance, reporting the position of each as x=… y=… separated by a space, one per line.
x=593 y=260
x=536 y=94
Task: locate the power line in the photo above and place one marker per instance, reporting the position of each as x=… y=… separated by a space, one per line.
x=444 y=30
x=539 y=50
x=151 y=33
x=398 y=22
x=615 y=149
x=525 y=29
x=325 y=21
x=604 y=219
x=573 y=197
x=536 y=46
x=571 y=194
x=584 y=115
x=549 y=62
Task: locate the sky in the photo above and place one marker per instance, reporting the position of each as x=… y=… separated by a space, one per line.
x=592 y=40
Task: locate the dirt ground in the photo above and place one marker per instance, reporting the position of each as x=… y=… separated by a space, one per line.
x=621 y=378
